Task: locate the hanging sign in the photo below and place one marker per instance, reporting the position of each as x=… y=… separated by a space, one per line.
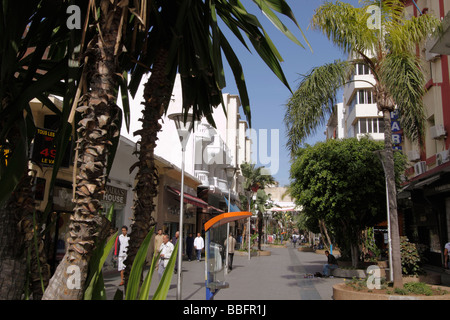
x=44 y=148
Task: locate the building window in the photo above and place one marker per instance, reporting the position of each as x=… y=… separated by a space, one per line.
x=369 y=125
x=362 y=69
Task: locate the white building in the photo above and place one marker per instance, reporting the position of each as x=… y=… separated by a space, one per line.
x=208 y=151
x=358 y=114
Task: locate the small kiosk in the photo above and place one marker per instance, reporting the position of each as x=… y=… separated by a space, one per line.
x=215 y=236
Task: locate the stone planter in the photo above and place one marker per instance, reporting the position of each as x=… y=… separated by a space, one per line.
x=305 y=249
x=341 y=292
x=430 y=278
x=322 y=252
x=263 y=253
x=245 y=253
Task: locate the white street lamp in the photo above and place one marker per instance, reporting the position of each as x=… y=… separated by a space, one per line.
x=184 y=124
x=230 y=172
x=380 y=154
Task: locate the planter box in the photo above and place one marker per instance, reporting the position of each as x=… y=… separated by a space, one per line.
x=245 y=253
x=357 y=273
x=305 y=249
x=341 y=292
x=430 y=278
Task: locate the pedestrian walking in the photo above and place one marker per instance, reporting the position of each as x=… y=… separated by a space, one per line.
x=158 y=240
x=446 y=253
x=120 y=252
x=174 y=242
x=165 y=251
x=199 y=244
x=189 y=246
x=331 y=264
x=231 y=243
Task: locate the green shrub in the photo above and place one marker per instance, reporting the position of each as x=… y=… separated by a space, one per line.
x=411 y=259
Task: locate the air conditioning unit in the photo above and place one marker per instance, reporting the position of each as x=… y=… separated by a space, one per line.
x=420 y=167
x=413 y=155
x=437 y=131
x=442 y=157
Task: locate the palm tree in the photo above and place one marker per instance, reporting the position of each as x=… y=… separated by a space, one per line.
x=97 y=130
x=255 y=182
x=186 y=37
x=399 y=81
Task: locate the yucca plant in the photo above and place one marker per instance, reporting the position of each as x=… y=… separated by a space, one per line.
x=136 y=289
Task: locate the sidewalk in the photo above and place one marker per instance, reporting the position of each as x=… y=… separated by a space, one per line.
x=280 y=276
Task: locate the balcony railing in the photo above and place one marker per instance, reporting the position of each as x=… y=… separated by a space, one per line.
x=203 y=176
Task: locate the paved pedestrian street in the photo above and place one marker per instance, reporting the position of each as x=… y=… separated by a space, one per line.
x=280 y=276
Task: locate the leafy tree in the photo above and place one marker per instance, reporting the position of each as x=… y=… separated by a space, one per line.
x=399 y=82
x=254 y=183
x=342 y=183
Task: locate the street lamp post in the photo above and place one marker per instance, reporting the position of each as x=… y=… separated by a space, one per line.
x=230 y=172
x=391 y=269
x=184 y=124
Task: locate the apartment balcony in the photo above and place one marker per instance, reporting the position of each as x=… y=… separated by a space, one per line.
x=220 y=184
x=203 y=176
x=369 y=110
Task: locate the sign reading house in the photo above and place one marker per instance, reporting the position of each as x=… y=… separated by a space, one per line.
x=115 y=195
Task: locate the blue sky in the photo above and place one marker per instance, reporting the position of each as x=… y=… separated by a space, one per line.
x=268 y=96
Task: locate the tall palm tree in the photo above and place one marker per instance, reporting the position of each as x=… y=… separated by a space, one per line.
x=399 y=82
x=186 y=37
x=255 y=182
x=98 y=126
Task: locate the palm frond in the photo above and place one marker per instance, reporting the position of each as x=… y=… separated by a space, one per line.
x=313 y=101
x=405 y=34
x=403 y=76
x=345 y=26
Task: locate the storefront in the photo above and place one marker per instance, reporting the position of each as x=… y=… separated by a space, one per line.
x=427 y=219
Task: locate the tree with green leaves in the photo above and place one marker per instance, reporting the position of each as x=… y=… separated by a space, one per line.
x=255 y=182
x=389 y=53
x=341 y=183
x=187 y=37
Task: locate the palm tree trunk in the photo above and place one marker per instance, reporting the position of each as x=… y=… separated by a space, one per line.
x=392 y=194
x=157 y=94
x=97 y=127
x=12 y=253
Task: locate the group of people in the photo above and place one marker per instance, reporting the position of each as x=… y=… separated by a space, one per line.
x=165 y=248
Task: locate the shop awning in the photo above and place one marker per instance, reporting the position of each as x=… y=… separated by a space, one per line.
x=215 y=209
x=233 y=207
x=188 y=198
x=225 y=218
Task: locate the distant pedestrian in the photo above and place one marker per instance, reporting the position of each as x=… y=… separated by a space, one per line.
x=158 y=240
x=174 y=242
x=199 y=244
x=231 y=243
x=189 y=246
x=165 y=251
x=120 y=252
x=446 y=254
x=331 y=264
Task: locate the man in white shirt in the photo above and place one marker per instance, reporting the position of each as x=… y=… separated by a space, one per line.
x=165 y=251
x=121 y=251
x=199 y=244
